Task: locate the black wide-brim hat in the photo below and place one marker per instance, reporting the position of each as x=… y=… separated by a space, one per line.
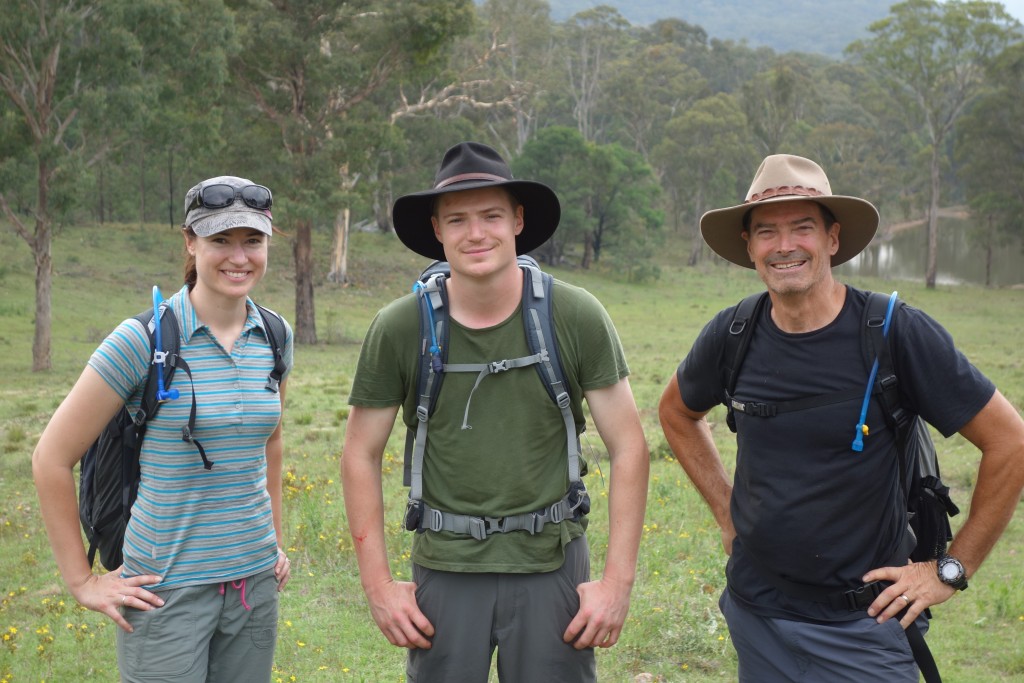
x=471 y=166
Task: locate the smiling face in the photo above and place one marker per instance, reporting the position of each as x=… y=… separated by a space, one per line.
x=229 y=263
x=791 y=246
x=478 y=230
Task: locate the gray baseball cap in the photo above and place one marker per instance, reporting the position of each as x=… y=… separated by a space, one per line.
x=250 y=207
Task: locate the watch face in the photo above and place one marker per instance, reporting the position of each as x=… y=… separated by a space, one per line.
x=950 y=571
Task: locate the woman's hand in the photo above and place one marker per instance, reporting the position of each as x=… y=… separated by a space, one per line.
x=109 y=593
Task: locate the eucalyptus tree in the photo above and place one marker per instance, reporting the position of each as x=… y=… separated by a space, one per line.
x=523 y=30
x=311 y=69
x=777 y=101
x=990 y=149
x=591 y=40
x=621 y=205
x=705 y=149
x=932 y=56
x=559 y=157
x=651 y=86
x=609 y=195
x=72 y=72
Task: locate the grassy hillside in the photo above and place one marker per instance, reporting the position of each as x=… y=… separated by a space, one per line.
x=675 y=632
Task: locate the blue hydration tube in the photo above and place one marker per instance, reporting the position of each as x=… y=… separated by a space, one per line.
x=435 y=351
x=159 y=357
x=862 y=429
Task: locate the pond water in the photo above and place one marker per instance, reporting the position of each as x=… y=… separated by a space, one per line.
x=903 y=256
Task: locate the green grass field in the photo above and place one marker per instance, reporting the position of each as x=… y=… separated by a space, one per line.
x=674 y=632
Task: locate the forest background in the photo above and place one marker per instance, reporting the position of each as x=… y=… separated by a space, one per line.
x=110 y=111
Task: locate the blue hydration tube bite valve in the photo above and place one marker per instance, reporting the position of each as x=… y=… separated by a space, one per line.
x=862 y=429
x=159 y=356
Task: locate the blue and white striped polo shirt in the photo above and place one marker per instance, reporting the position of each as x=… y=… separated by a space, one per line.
x=191 y=525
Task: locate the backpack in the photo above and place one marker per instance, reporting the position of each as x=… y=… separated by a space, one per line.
x=432 y=297
x=926 y=497
x=109 y=470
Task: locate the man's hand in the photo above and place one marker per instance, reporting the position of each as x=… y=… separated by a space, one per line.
x=915 y=586
x=603 y=608
x=393 y=606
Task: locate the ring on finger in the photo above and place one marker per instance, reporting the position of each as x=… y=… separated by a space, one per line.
x=905 y=598
x=123 y=598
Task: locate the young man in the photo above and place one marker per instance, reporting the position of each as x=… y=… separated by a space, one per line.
x=497 y=449
x=819 y=584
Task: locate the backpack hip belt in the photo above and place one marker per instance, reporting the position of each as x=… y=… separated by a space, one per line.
x=574 y=503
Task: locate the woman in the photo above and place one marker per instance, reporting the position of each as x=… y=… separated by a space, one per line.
x=196 y=597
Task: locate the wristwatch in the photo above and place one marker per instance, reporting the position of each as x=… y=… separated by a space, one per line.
x=951 y=572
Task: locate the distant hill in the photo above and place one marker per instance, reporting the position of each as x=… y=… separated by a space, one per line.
x=785 y=26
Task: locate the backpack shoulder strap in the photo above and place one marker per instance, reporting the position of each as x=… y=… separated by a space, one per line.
x=877 y=344
x=737 y=341
x=170 y=337
x=539 y=321
x=273 y=323
x=432 y=304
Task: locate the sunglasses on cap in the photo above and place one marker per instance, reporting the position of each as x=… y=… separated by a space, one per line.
x=222 y=195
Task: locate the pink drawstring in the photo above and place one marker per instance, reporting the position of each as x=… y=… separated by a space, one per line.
x=240 y=587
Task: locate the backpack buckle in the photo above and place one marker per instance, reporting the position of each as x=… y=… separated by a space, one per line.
x=498 y=366
x=481 y=527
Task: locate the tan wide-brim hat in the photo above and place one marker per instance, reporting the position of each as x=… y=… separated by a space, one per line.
x=786 y=178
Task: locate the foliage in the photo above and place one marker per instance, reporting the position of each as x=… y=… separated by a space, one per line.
x=608 y=196
x=340 y=108
x=932 y=57
x=991 y=148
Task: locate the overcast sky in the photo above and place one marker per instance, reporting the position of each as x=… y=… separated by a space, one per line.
x=1016 y=8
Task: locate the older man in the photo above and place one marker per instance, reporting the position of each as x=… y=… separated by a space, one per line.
x=820 y=585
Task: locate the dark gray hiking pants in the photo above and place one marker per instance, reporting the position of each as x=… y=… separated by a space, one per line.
x=522 y=615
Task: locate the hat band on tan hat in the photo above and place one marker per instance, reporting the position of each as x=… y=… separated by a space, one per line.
x=785 y=191
x=790 y=178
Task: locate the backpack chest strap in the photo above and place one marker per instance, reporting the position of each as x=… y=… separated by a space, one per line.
x=760 y=409
x=492 y=368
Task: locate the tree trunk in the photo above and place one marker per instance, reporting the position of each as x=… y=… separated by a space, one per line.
x=170 y=188
x=305 y=317
x=933 y=222
x=696 y=240
x=588 y=250
x=44 y=274
x=142 y=184
x=989 y=242
x=339 y=254
x=102 y=199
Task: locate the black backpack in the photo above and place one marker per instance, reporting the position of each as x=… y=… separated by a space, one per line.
x=927 y=498
x=538 y=323
x=109 y=470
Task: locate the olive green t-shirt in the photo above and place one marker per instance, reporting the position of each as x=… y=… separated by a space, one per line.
x=512 y=457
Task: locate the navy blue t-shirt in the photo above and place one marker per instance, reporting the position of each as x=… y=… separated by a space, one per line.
x=805 y=505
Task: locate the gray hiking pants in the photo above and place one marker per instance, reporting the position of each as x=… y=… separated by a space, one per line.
x=214 y=633
x=775 y=650
x=522 y=615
